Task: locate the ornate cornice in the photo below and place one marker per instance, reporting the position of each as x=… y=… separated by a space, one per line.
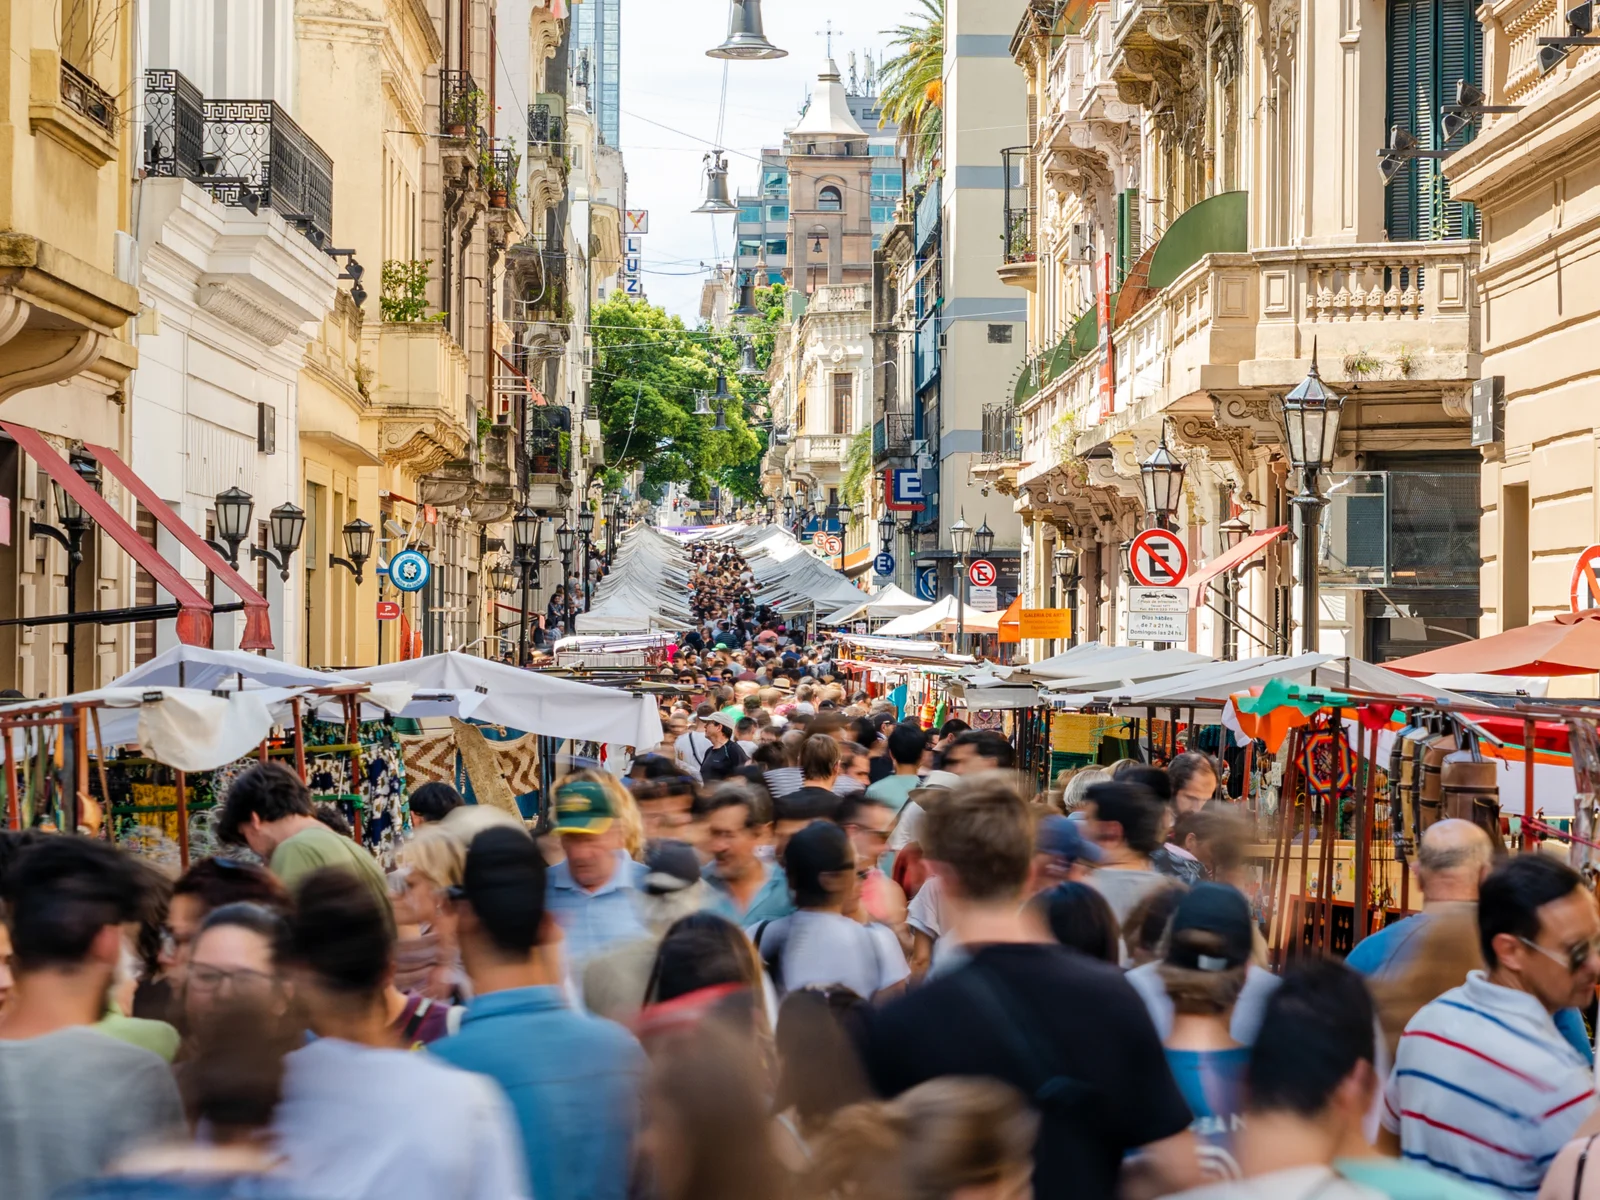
x=227 y=301
x=420 y=445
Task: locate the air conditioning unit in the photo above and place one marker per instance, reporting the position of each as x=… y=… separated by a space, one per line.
x=1080 y=243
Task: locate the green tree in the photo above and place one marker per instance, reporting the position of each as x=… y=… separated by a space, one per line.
x=911 y=85
x=648 y=370
x=857 y=466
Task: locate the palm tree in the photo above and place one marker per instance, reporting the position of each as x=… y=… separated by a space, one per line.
x=912 y=88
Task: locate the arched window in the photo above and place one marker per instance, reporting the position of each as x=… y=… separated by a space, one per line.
x=828 y=199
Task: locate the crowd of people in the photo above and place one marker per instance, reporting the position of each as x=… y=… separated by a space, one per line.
x=803 y=948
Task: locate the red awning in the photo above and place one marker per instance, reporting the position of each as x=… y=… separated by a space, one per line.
x=257 y=613
x=194 y=617
x=1568 y=644
x=1228 y=560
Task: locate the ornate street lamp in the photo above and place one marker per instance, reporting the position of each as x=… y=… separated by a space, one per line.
x=357 y=548
x=586 y=527
x=1234 y=531
x=960 y=533
x=788 y=509
x=74 y=525
x=1066 y=564
x=886 y=525
x=234 y=508
x=566 y=537
x=1311 y=424
x=286 y=526
x=983 y=540
x=525 y=540
x=1162 y=475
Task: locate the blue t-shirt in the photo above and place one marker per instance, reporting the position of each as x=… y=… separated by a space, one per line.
x=1212 y=1082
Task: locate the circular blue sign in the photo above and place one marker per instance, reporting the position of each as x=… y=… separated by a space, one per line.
x=410 y=571
x=928 y=583
x=884 y=563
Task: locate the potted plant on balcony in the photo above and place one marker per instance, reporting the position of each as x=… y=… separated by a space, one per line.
x=464 y=110
x=494 y=182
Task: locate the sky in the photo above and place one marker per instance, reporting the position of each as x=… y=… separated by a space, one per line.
x=671 y=96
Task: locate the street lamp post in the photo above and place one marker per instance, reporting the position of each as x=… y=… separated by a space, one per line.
x=959 y=533
x=1233 y=532
x=525 y=539
x=74 y=524
x=234 y=508
x=1162 y=477
x=612 y=507
x=586 y=527
x=565 y=537
x=1066 y=563
x=1311 y=422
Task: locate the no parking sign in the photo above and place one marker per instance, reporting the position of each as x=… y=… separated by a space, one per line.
x=1586 y=580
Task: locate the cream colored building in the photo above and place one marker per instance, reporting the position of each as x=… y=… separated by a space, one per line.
x=1532 y=177
x=67 y=302
x=1197 y=210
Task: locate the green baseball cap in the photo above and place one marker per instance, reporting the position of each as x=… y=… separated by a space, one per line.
x=582 y=806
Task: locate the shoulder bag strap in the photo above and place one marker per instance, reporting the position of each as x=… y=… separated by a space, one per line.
x=1577 y=1176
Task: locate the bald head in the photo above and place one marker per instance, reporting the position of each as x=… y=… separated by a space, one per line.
x=1453 y=860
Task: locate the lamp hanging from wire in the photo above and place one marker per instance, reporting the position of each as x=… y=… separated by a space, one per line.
x=716 y=200
x=746 y=39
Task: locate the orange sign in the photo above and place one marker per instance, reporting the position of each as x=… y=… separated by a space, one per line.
x=1045 y=623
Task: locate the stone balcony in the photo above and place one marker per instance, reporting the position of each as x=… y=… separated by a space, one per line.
x=813 y=452
x=840 y=298
x=420 y=396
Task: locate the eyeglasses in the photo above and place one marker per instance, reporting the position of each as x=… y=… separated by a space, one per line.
x=1573 y=958
x=213 y=979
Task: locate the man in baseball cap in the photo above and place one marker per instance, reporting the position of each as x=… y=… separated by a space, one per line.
x=591 y=893
x=1061 y=852
x=725 y=755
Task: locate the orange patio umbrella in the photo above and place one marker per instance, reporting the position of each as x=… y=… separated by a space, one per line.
x=1567 y=645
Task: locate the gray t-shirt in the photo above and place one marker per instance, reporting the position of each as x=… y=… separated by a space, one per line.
x=1123 y=889
x=73 y=1101
x=820 y=947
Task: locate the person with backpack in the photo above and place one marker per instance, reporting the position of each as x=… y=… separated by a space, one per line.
x=822 y=942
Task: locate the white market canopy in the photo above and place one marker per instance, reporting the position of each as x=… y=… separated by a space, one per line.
x=531 y=701
x=941 y=616
x=881 y=605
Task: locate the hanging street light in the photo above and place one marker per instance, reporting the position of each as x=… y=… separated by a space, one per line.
x=747 y=359
x=722 y=421
x=960 y=533
x=702 y=406
x=746 y=39
x=747 y=296
x=357 y=537
x=234 y=509
x=716 y=200
x=1311 y=424
x=722 y=394
x=1234 y=531
x=286 y=525
x=1162 y=475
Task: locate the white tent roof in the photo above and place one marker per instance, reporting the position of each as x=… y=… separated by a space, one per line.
x=531 y=701
x=198 y=667
x=890 y=602
x=941 y=615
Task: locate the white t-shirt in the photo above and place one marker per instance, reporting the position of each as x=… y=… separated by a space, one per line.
x=691 y=751
x=467 y=1148
x=821 y=948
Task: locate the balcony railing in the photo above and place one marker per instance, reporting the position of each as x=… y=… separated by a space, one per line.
x=1017 y=212
x=460 y=103
x=892 y=435
x=87 y=98
x=174 y=125
x=1019 y=235
x=840 y=297
x=1002 y=434
x=263 y=158
x=546 y=121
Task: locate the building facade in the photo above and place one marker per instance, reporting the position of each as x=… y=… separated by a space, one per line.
x=1184 y=264
x=1534 y=413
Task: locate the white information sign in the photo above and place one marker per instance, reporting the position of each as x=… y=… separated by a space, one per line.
x=1158 y=627
x=986 y=599
x=1158 y=599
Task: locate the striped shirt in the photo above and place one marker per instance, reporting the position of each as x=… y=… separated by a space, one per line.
x=1486 y=1089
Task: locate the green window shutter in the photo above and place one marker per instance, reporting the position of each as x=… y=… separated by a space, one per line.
x=1127 y=232
x=1432 y=45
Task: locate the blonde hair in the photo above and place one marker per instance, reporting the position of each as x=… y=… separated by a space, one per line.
x=435 y=853
x=467 y=821
x=939 y=1137
x=623 y=804
x=1075 y=795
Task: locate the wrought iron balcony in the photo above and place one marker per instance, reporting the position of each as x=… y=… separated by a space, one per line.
x=261 y=157
x=1002 y=434
x=892 y=435
x=87 y=98
x=498 y=170
x=174 y=128
x=547 y=124
x=460 y=103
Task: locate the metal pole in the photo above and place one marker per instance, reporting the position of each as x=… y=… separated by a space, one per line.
x=567 y=615
x=75 y=557
x=586 y=546
x=961 y=607
x=524 y=570
x=1310 y=505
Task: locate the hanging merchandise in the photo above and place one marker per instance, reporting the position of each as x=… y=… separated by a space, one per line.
x=1328 y=761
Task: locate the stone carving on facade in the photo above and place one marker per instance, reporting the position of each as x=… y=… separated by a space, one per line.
x=1457 y=402
x=224 y=299
x=421 y=445
x=1213 y=437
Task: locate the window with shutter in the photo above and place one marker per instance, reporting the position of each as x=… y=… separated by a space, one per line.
x=1433 y=44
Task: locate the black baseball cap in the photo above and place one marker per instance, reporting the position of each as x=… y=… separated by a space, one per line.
x=670 y=866
x=1222 y=912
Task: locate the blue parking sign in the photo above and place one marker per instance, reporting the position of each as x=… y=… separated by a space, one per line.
x=908 y=487
x=928 y=583
x=884 y=563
